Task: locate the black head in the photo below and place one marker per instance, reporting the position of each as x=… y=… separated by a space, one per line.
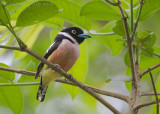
x=76 y=33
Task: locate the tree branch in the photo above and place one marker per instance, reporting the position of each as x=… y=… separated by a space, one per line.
x=21 y=71
x=10 y=47
x=71 y=78
x=135 y=81
x=141 y=105
x=154 y=88
x=151 y=68
x=148 y=93
x=107 y=93
x=20 y=84
x=129 y=41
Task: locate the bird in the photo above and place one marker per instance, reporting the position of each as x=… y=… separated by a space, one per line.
x=64 y=53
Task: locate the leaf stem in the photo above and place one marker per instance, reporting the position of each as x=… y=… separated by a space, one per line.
x=156 y=54
x=136 y=24
x=10 y=28
x=112 y=3
x=131 y=9
x=138 y=52
x=101 y=34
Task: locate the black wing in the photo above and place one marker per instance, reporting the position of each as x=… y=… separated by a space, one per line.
x=50 y=50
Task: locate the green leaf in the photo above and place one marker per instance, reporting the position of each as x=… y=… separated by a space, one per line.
x=147 y=51
x=149 y=7
x=89 y=102
x=79 y=70
x=36 y=12
x=143 y=34
x=126 y=59
x=11 y=96
x=55 y=21
x=111 y=41
x=147 y=62
x=147 y=38
x=119 y=28
x=16 y=8
x=70 y=12
x=5 y=75
x=14 y=1
x=29 y=36
x=99 y=10
x=128 y=84
x=156 y=51
x=3 y=17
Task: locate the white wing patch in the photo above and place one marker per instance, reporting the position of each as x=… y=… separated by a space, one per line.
x=50 y=46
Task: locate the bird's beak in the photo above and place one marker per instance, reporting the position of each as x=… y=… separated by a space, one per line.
x=84 y=36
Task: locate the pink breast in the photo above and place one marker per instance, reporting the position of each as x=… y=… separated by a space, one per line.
x=65 y=55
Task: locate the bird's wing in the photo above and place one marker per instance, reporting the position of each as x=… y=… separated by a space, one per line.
x=50 y=50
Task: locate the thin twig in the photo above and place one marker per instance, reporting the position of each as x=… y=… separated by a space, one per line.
x=141 y=105
x=131 y=9
x=101 y=34
x=10 y=28
x=129 y=41
x=20 y=84
x=10 y=47
x=21 y=71
x=148 y=93
x=151 y=68
x=97 y=90
x=112 y=3
x=156 y=54
x=135 y=85
x=154 y=88
x=136 y=24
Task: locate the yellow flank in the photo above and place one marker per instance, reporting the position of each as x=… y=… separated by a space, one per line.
x=48 y=75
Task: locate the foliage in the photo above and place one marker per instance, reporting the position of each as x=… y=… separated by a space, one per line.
x=32 y=18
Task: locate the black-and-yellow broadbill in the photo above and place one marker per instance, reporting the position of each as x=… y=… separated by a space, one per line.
x=64 y=52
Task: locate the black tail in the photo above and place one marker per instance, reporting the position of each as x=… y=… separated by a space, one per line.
x=41 y=92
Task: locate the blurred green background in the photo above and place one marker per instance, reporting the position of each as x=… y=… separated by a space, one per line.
x=101 y=64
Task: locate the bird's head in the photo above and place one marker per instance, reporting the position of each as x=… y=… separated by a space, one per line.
x=75 y=33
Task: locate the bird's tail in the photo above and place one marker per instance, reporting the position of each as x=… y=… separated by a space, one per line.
x=41 y=91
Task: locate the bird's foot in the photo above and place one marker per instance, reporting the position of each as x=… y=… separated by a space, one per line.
x=57 y=65
x=71 y=76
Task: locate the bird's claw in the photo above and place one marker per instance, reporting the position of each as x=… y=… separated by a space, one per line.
x=57 y=65
x=71 y=76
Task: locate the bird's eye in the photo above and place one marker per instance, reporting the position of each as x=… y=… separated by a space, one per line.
x=74 y=31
